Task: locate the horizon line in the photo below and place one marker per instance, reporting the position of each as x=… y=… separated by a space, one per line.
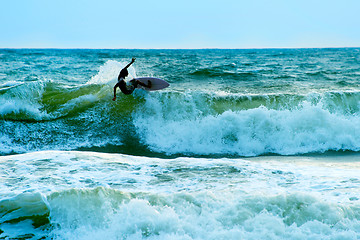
x=210 y=48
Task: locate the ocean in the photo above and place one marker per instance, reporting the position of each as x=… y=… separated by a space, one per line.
x=244 y=144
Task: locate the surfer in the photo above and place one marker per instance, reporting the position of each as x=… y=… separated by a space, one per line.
x=128 y=88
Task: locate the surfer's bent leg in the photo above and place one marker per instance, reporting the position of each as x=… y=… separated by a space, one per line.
x=144 y=85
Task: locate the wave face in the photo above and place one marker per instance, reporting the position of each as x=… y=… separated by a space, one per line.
x=230 y=103
x=178 y=122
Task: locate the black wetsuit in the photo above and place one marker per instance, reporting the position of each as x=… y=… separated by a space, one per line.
x=126 y=89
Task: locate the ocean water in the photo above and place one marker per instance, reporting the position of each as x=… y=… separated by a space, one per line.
x=244 y=144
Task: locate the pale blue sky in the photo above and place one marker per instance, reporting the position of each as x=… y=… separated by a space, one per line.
x=179 y=24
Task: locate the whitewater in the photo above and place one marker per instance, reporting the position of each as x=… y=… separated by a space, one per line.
x=244 y=144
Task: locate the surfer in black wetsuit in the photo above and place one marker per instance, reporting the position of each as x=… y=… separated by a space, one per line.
x=125 y=88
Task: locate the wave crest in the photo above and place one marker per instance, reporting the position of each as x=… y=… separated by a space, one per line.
x=227 y=127
x=54 y=116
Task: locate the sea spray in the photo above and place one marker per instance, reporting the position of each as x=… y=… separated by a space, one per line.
x=83 y=195
x=194 y=126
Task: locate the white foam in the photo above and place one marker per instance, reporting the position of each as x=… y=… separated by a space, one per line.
x=98 y=195
x=85 y=170
x=188 y=127
x=9 y=84
x=16 y=106
x=201 y=216
x=23 y=100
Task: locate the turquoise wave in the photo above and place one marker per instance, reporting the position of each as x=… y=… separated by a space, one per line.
x=218 y=101
x=48 y=115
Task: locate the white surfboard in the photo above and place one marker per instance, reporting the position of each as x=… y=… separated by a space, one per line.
x=156 y=83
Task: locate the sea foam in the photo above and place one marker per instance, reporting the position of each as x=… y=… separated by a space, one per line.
x=82 y=195
x=191 y=127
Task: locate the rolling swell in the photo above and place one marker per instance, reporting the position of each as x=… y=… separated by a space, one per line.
x=171 y=123
x=230 y=71
x=239 y=102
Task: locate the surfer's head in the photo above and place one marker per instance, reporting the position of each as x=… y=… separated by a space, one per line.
x=124 y=73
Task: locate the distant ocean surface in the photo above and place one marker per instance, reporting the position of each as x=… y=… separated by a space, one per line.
x=244 y=144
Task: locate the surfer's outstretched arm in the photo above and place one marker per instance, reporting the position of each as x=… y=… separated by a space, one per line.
x=124 y=72
x=132 y=61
